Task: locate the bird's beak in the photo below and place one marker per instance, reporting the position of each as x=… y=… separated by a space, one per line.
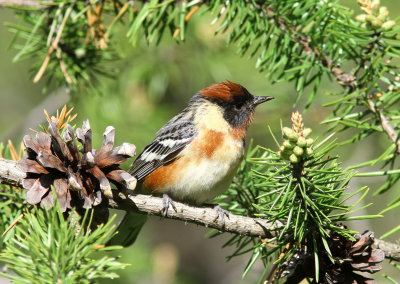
x=260 y=99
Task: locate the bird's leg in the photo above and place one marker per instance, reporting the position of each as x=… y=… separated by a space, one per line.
x=221 y=213
x=167 y=202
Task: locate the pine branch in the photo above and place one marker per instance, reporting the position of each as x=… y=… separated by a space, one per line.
x=11 y=174
x=346 y=80
x=343 y=78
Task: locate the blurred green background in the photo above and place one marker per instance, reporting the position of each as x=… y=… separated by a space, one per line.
x=154 y=83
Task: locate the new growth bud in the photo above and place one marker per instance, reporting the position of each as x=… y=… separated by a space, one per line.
x=296 y=146
x=388 y=25
x=294 y=159
x=301 y=142
x=298 y=151
x=289 y=134
x=307 y=131
x=288 y=145
x=375 y=17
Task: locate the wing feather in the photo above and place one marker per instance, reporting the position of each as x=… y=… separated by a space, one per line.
x=170 y=141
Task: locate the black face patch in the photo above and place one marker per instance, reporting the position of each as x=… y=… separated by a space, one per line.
x=238 y=114
x=237 y=110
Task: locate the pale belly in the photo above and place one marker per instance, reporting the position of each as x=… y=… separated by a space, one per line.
x=204 y=181
x=205 y=178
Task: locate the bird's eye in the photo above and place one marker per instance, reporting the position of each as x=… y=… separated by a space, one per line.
x=239 y=105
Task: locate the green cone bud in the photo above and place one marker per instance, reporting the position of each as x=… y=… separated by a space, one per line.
x=306 y=132
x=309 y=151
x=370 y=18
x=288 y=145
x=294 y=159
x=383 y=11
x=377 y=23
x=309 y=142
x=298 y=151
x=286 y=131
x=388 y=25
x=290 y=134
x=382 y=17
x=361 y=17
x=301 y=142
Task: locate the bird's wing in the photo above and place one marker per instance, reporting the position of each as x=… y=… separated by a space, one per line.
x=170 y=141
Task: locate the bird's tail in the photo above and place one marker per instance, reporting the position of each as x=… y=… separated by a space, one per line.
x=128 y=229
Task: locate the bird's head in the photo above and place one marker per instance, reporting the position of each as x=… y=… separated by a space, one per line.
x=236 y=102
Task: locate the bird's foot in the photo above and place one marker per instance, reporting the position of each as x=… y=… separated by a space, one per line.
x=221 y=213
x=167 y=202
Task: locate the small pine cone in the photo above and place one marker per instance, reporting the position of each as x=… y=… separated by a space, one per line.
x=350 y=257
x=298 y=267
x=80 y=177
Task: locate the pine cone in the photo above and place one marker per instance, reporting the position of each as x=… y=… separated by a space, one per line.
x=349 y=257
x=80 y=177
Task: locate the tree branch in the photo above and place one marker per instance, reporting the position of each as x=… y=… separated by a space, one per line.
x=11 y=174
x=204 y=216
x=23 y=3
x=392 y=251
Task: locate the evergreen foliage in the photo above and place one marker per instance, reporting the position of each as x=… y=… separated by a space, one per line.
x=299 y=183
x=48 y=248
x=307 y=194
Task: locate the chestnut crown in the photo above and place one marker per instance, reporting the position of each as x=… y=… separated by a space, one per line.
x=237 y=103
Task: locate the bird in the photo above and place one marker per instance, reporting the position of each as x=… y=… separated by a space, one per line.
x=195 y=155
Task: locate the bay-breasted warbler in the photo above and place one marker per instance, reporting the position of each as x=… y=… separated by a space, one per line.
x=196 y=154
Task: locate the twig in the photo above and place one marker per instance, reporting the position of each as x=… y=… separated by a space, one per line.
x=53 y=46
x=386 y=126
x=11 y=174
x=24 y=3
